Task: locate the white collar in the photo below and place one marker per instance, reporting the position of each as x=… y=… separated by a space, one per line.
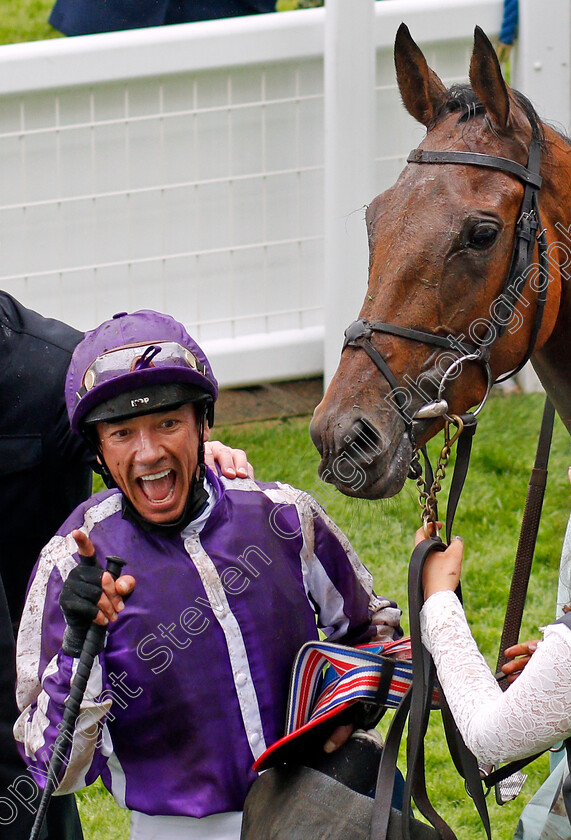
x=196 y=526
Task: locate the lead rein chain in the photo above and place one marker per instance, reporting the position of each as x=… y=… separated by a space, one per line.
x=427 y=496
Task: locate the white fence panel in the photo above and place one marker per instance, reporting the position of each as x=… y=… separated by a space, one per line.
x=181 y=168
x=191 y=182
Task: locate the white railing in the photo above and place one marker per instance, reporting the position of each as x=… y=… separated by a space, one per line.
x=177 y=168
x=182 y=168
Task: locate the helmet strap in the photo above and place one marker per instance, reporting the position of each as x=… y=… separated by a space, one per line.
x=99 y=466
x=201 y=422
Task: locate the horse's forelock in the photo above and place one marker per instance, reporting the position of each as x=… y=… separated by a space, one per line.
x=461 y=98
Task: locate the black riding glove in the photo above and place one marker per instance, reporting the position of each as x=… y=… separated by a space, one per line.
x=78 y=601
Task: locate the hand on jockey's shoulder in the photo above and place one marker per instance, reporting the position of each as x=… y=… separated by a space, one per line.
x=231 y=463
x=442 y=568
x=90 y=595
x=519 y=655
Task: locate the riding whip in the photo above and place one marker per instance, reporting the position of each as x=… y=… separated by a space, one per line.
x=92 y=646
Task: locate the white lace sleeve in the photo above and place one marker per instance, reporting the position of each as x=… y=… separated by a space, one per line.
x=533 y=714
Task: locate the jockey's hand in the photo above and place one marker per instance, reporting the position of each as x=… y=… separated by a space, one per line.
x=519 y=655
x=338 y=737
x=232 y=463
x=110 y=602
x=89 y=594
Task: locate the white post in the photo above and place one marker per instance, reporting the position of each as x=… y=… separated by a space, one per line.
x=543 y=67
x=349 y=66
x=543 y=73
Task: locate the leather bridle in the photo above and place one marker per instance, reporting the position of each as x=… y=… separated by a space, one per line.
x=528 y=229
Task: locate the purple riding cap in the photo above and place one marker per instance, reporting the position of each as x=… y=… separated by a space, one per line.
x=133 y=352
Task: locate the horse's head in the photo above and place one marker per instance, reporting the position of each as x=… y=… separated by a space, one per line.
x=441 y=244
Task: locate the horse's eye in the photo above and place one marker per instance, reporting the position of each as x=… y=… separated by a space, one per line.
x=482 y=235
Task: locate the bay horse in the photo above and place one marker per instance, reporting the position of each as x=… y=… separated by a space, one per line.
x=470 y=259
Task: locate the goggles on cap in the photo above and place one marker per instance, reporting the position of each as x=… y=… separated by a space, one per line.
x=137 y=357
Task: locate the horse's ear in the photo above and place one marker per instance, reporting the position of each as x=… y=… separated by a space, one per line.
x=487 y=81
x=423 y=94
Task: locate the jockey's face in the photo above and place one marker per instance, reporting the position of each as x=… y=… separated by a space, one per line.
x=153 y=459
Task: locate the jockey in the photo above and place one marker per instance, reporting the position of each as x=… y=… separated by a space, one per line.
x=224 y=581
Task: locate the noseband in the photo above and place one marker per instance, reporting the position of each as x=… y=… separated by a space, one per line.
x=360 y=332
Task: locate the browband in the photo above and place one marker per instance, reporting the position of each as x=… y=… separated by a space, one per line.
x=477 y=159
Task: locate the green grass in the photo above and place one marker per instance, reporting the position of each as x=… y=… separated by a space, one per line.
x=25 y=20
x=291 y=5
x=488 y=519
x=101 y=817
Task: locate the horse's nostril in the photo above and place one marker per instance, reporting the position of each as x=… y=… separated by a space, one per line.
x=365 y=443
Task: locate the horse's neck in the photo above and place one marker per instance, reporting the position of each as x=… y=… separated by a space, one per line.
x=553 y=362
x=554 y=371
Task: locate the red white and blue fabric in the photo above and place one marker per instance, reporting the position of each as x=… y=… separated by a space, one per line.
x=329 y=677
